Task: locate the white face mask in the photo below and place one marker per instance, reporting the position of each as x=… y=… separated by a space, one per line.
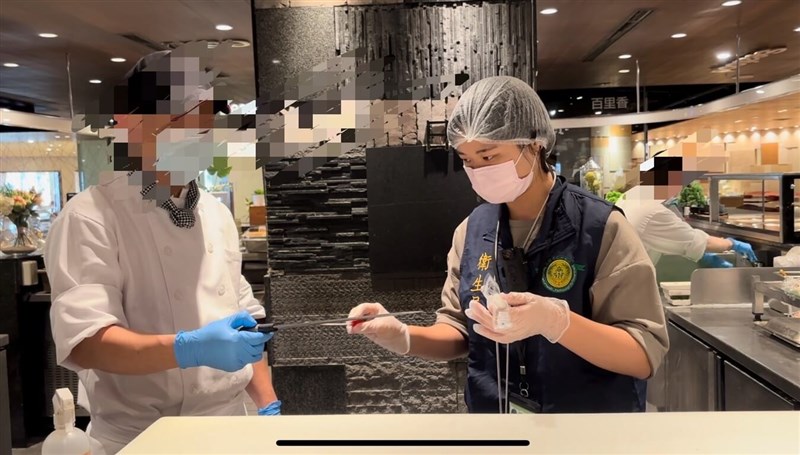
x=185 y=153
x=500 y=183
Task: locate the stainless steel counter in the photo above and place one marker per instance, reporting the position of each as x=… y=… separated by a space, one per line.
x=731 y=332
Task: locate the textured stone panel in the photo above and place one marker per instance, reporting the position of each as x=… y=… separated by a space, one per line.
x=429 y=402
x=306 y=390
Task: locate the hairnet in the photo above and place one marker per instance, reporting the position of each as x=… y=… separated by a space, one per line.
x=501 y=109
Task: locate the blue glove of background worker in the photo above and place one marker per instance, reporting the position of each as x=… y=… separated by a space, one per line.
x=220 y=345
x=711 y=260
x=272 y=409
x=744 y=249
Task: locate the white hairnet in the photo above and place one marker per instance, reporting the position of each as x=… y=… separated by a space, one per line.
x=501 y=109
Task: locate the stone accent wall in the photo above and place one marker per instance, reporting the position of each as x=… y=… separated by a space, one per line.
x=377 y=381
x=318 y=224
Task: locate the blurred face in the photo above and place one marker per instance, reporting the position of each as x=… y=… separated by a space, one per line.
x=176 y=147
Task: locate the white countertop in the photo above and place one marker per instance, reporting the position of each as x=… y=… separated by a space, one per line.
x=643 y=433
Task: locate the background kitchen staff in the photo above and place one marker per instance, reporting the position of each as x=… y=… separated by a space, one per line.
x=589 y=288
x=146 y=282
x=662 y=231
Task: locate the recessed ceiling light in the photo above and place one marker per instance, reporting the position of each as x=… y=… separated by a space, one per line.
x=548 y=11
x=30 y=141
x=723 y=55
x=797 y=29
x=58 y=137
x=738 y=121
x=760 y=92
x=623 y=71
x=579 y=98
x=625 y=56
x=553 y=112
x=95 y=81
x=224 y=27
x=783 y=110
x=10 y=65
x=679 y=35
x=275 y=61
x=753 y=128
x=117 y=59
x=48 y=35
x=732 y=3
x=561 y=110
x=598 y=113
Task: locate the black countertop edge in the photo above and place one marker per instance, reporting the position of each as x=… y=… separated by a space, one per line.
x=757 y=368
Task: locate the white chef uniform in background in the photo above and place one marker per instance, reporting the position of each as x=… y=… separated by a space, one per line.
x=662 y=231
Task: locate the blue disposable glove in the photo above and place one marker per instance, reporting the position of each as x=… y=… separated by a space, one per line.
x=220 y=345
x=714 y=261
x=744 y=249
x=272 y=409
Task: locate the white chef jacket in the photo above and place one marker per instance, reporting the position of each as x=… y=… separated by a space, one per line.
x=114 y=259
x=662 y=231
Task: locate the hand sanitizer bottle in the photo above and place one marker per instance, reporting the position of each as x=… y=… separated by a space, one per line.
x=66 y=439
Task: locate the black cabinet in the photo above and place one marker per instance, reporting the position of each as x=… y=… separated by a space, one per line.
x=5 y=407
x=745 y=393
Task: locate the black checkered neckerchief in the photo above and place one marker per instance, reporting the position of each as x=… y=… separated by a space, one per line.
x=181 y=217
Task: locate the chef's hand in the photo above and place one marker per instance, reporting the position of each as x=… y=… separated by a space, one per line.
x=529 y=315
x=272 y=409
x=744 y=249
x=387 y=332
x=714 y=261
x=221 y=345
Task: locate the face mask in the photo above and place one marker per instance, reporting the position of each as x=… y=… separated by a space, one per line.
x=500 y=183
x=184 y=153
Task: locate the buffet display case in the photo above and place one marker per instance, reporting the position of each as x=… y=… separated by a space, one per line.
x=763 y=207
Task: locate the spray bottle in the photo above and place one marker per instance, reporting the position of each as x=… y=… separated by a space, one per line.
x=66 y=439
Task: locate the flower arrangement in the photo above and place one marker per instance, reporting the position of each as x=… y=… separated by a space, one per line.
x=19 y=205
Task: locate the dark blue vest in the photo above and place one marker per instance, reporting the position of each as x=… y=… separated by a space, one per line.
x=560 y=263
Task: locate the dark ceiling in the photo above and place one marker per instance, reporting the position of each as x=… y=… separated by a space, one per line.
x=92 y=32
x=580 y=26
x=573 y=44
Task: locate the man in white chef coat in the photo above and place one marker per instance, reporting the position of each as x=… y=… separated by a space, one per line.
x=662 y=230
x=145 y=267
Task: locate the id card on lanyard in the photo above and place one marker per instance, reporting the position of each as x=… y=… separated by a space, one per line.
x=521 y=403
x=513 y=271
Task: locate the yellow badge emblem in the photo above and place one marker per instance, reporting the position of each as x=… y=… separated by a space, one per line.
x=559 y=276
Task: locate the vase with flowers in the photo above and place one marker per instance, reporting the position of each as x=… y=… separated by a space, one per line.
x=18 y=207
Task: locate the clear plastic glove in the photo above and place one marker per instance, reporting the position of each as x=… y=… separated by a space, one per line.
x=388 y=333
x=745 y=249
x=530 y=315
x=220 y=345
x=714 y=261
x=272 y=409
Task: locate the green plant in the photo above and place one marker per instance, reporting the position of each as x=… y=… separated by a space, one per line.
x=259 y=192
x=692 y=196
x=613 y=196
x=219 y=167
